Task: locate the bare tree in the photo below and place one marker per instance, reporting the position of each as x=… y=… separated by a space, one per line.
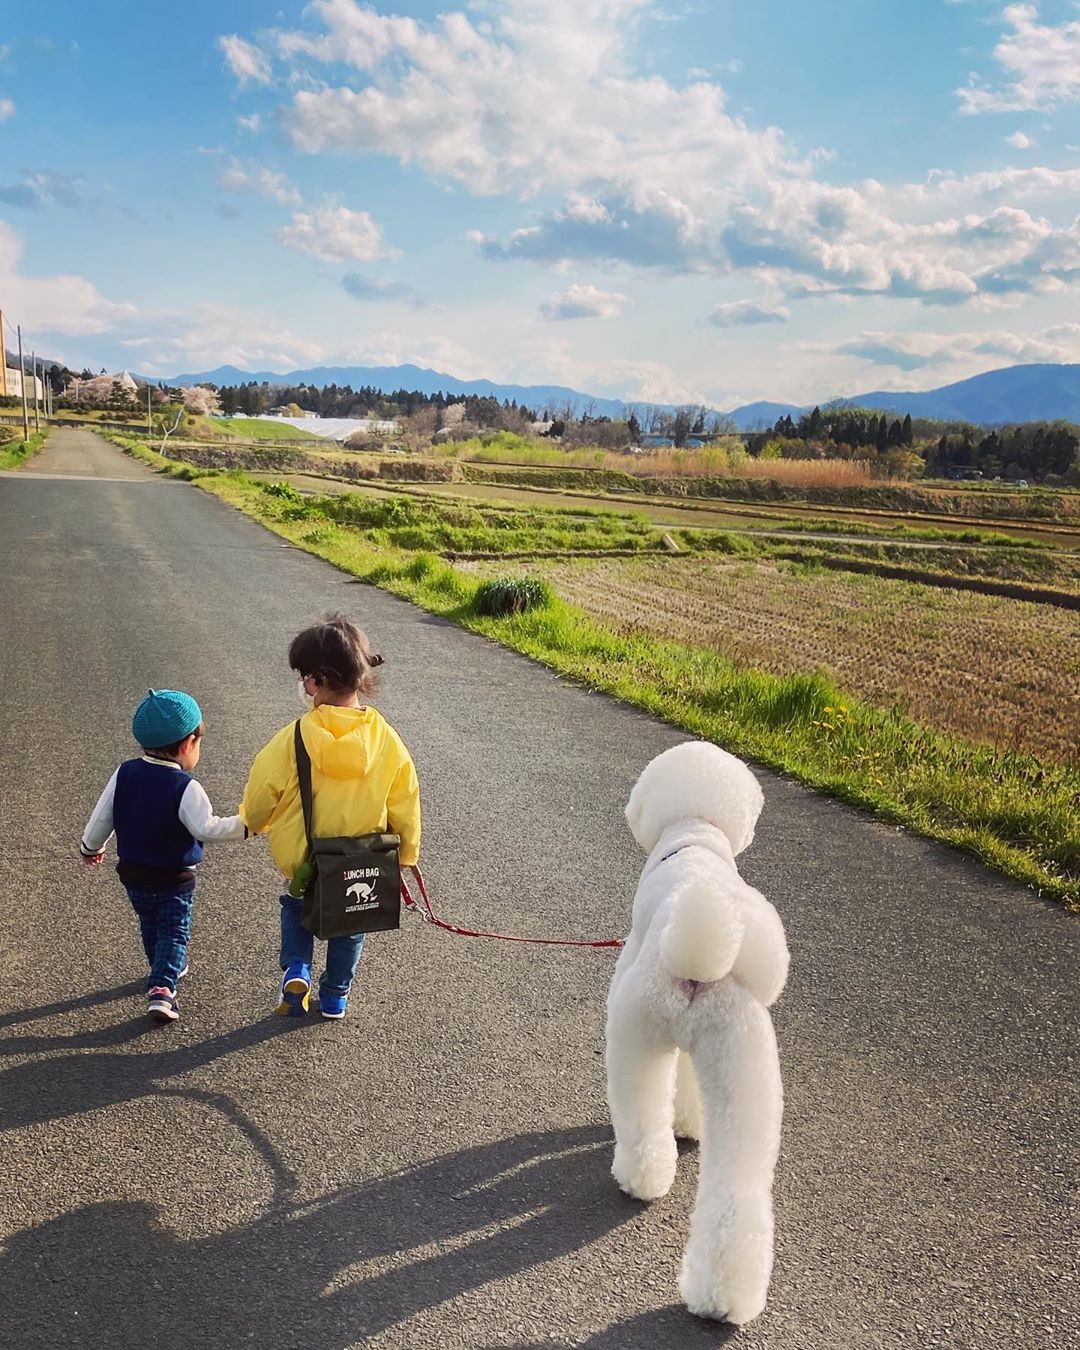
x=162 y=422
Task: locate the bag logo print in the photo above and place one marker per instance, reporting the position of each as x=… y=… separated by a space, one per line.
x=363 y=891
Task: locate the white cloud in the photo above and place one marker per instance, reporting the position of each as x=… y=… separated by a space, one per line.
x=336 y=234
x=253 y=124
x=54 y=304
x=1041 y=65
x=1020 y=140
x=247 y=62
x=914 y=351
x=584 y=302
x=45 y=188
x=538 y=97
x=260 y=180
x=7 y=109
x=209 y=335
x=945 y=190
x=742 y=313
x=541 y=98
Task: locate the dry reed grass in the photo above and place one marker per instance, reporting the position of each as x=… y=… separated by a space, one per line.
x=712 y=461
x=718 y=464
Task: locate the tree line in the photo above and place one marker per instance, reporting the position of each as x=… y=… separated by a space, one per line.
x=907 y=447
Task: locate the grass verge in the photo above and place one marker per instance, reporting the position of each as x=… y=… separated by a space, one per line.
x=1014 y=812
x=260 y=429
x=16 y=453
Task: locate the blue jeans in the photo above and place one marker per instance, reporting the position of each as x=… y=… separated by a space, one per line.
x=297 y=944
x=165 y=923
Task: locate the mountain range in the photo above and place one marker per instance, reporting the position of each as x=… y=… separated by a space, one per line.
x=1013 y=394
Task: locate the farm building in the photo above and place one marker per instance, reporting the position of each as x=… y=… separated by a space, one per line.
x=13 y=384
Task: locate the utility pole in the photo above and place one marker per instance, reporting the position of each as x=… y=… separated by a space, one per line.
x=22 y=386
x=33 y=368
x=149 y=413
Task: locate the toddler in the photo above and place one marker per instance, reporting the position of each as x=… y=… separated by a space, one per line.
x=161 y=817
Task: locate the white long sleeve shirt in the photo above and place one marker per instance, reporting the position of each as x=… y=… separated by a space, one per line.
x=196 y=814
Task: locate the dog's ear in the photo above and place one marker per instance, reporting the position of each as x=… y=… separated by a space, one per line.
x=744 y=811
x=633 y=811
x=638 y=815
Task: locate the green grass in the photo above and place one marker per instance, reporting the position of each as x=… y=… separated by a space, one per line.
x=171 y=468
x=930 y=534
x=15 y=453
x=257 y=429
x=1014 y=812
x=135 y=417
x=462 y=527
x=503 y=447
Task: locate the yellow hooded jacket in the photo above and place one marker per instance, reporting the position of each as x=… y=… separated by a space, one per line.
x=362 y=780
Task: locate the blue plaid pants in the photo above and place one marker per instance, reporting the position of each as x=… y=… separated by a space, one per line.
x=165 y=924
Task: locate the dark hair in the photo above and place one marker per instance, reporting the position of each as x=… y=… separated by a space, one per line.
x=171 y=751
x=337 y=654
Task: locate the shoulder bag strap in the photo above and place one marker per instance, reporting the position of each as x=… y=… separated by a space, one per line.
x=303 y=773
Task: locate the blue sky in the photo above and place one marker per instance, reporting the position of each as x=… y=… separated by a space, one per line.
x=661 y=200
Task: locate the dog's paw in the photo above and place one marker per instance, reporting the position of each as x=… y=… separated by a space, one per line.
x=647 y=1171
x=715 y=1298
x=732 y=1288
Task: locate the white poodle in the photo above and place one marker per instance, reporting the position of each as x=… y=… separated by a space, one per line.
x=690 y=1043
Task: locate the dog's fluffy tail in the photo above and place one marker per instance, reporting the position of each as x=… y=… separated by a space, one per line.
x=703 y=934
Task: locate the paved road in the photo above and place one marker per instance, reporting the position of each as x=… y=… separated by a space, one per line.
x=434 y=1170
x=81 y=454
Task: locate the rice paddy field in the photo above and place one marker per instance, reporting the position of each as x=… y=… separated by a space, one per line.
x=953 y=712
x=1001 y=672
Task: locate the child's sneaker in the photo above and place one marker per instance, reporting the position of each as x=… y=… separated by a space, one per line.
x=295 y=990
x=162 y=1004
x=332 y=1005
x=185 y=971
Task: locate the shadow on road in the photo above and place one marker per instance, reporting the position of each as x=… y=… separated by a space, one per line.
x=66 y=1085
x=330 y=1273
x=94 y=1000
x=671 y=1326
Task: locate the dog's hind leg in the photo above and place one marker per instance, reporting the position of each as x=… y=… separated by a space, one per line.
x=640 y=1084
x=728 y=1260
x=687 y=1099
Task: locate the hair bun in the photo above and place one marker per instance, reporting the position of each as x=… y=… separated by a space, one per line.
x=375 y=659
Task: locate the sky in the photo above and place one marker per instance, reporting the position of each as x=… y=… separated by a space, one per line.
x=655 y=200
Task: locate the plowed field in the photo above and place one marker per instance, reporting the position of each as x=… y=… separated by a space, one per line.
x=1003 y=672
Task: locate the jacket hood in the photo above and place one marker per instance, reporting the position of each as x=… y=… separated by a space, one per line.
x=343 y=742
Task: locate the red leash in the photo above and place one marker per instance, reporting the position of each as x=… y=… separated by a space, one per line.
x=428 y=915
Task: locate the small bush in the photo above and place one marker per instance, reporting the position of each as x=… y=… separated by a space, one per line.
x=506 y=595
x=285 y=491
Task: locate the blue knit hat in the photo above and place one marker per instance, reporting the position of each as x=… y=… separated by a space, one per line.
x=164 y=717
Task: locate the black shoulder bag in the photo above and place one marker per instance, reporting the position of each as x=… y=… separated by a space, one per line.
x=354 y=885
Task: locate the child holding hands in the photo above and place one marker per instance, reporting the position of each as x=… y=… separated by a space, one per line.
x=363 y=782
x=161 y=817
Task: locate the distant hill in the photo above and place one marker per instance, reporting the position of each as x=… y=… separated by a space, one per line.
x=536 y=396
x=758 y=416
x=1040 y=393
x=1015 y=394
x=424 y=381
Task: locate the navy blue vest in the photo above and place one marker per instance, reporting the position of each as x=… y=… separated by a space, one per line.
x=153 y=847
